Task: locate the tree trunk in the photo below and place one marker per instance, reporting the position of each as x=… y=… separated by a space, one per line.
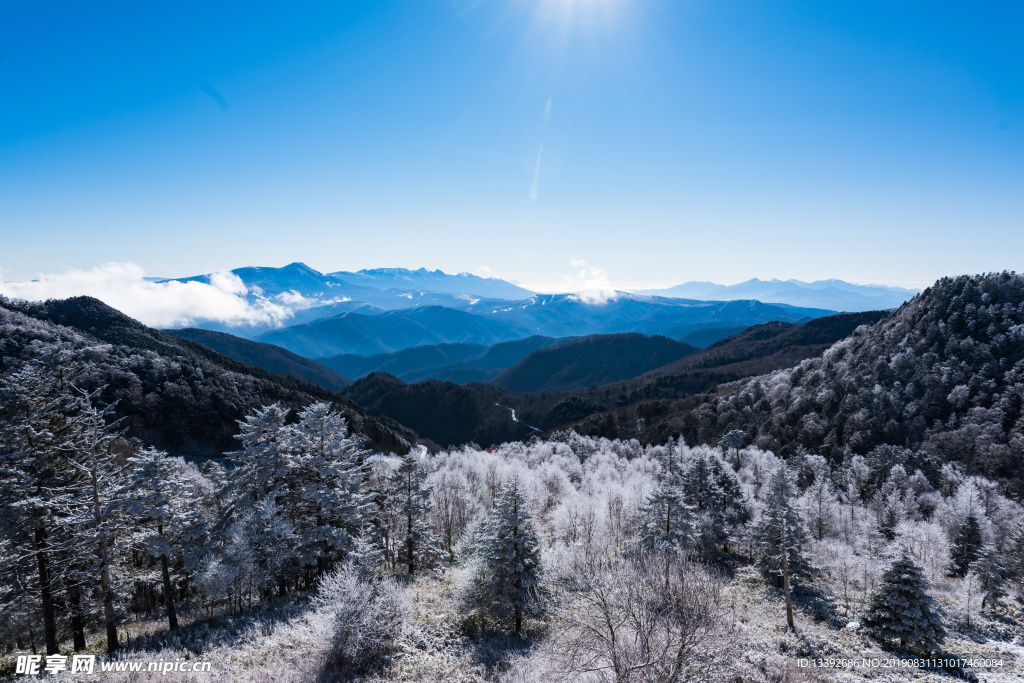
x=109 y=617
x=77 y=622
x=46 y=593
x=172 y=616
x=785 y=578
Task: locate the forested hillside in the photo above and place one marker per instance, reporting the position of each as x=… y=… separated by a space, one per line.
x=591 y=361
x=944 y=374
x=266 y=356
x=168 y=392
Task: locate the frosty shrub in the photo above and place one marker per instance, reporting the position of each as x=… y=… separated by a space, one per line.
x=364 y=619
x=652 y=617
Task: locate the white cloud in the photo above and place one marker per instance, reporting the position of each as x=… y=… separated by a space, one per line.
x=590 y=285
x=158 y=304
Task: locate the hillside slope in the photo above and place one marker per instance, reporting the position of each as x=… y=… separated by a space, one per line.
x=591 y=361
x=266 y=356
x=175 y=394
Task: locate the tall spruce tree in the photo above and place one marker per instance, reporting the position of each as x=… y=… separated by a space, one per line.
x=92 y=503
x=511 y=573
x=778 y=528
x=329 y=473
x=991 y=576
x=667 y=521
x=36 y=425
x=418 y=548
x=901 y=611
x=160 y=501
x=967 y=546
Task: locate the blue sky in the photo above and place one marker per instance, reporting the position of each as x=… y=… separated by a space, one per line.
x=658 y=140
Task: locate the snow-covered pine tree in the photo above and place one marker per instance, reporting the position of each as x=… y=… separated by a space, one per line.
x=161 y=504
x=418 y=548
x=92 y=503
x=821 y=500
x=667 y=521
x=901 y=611
x=265 y=461
x=367 y=554
x=967 y=546
x=887 y=525
x=991 y=576
x=768 y=533
x=511 y=574
x=35 y=404
x=329 y=472
x=737 y=511
x=701 y=492
x=734 y=440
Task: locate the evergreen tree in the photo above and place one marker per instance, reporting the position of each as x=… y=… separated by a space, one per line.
x=511 y=570
x=967 y=546
x=734 y=440
x=329 y=472
x=161 y=503
x=667 y=521
x=890 y=520
x=778 y=516
x=991 y=576
x=92 y=504
x=901 y=611
x=418 y=548
x=265 y=461
x=36 y=403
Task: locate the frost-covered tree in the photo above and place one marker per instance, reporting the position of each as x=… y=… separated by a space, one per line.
x=667 y=521
x=161 y=505
x=889 y=522
x=712 y=491
x=260 y=546
x=991 y=576
x=330 y=506
x=821 y=500
x=510 y=572
x=967 y=545
x=901 y=611
x=781 y=529
x=417 y=545
x=734 y=440
x=91 y=504
x=265 y=462
x=36 y=404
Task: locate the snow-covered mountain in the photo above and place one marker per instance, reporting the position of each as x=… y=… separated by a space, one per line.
x=836 y=295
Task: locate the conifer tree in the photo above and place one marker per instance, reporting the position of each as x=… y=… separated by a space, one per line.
x=418 y=548
x=161 y=503
x=667 y=521
x=966 y=547
x=511 y=570
x=36 y=403
x=328 y=474
x=991 y=576
x=901 y=611
x=734 y=440
x=778 y=512
x=890 y=520
x=92 y=503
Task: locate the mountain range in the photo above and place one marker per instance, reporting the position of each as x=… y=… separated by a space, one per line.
x=375 y=311
x=370 y=331
x=833 y=294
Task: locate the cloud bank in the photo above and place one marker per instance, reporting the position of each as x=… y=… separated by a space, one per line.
x=124 y=286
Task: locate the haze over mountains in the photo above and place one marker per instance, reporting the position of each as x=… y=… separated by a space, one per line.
x=834 y=294
x=384 y=310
